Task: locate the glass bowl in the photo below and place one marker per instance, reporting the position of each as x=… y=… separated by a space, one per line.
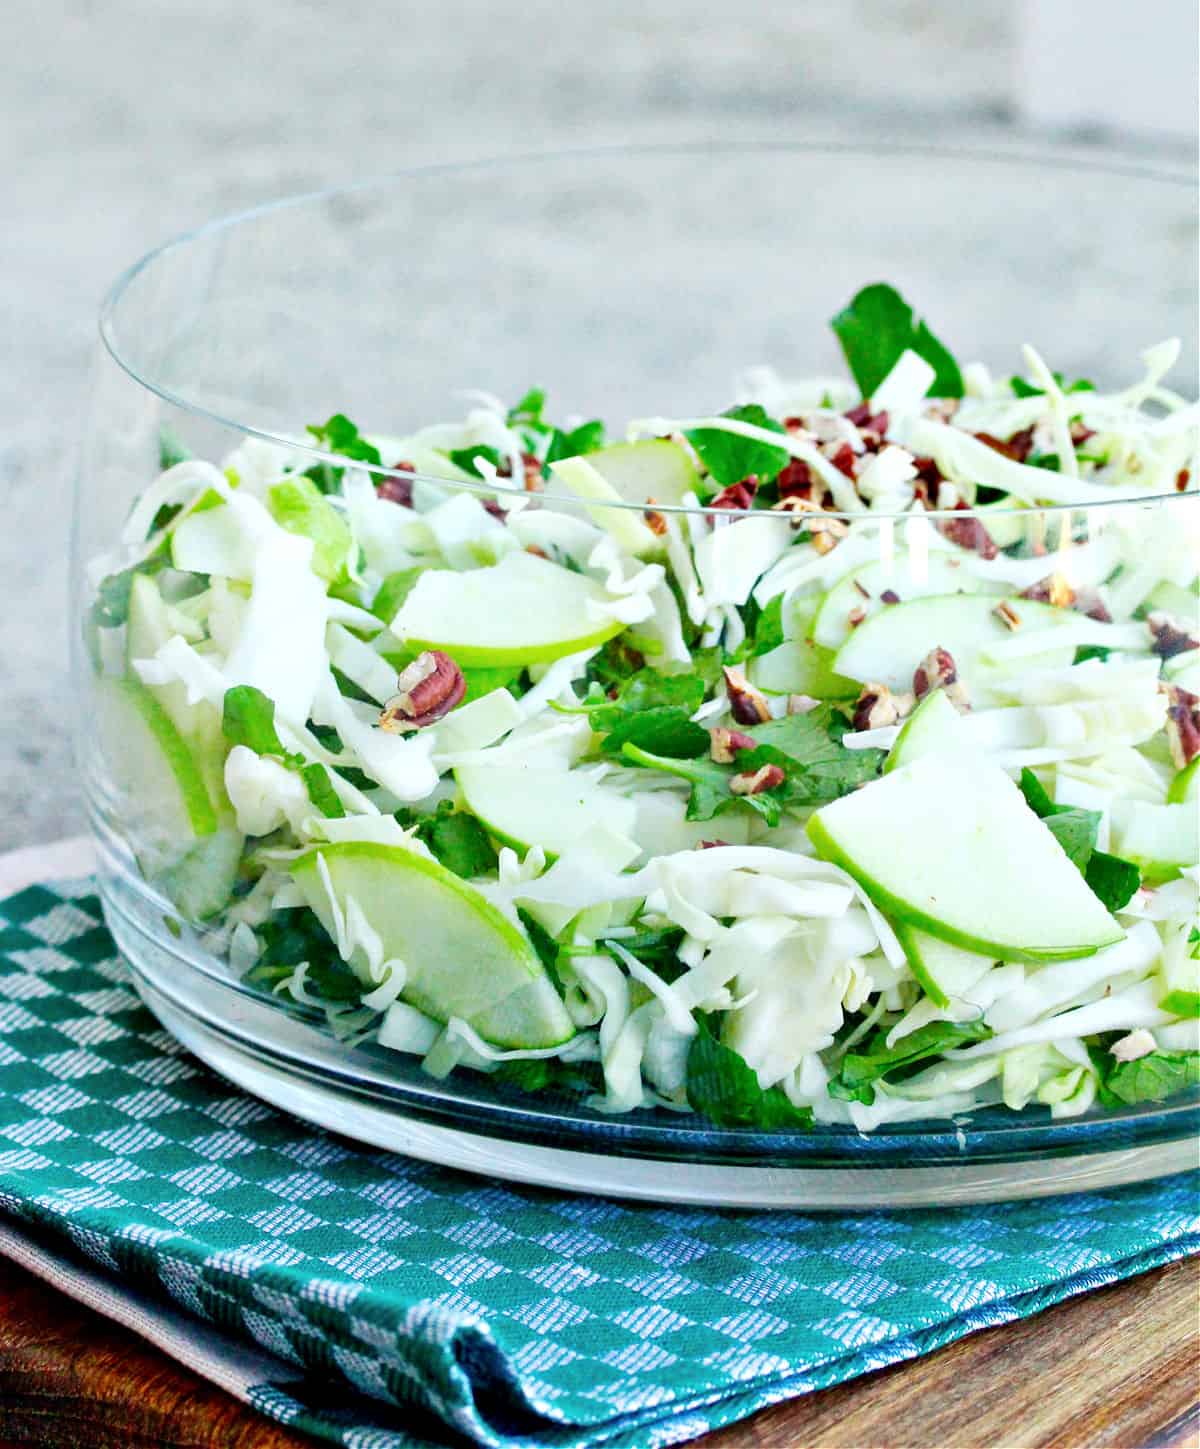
x=627 y=283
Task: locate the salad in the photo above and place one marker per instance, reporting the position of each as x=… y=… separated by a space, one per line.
x=834 y=758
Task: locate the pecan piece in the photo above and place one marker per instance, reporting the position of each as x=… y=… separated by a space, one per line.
x=939 y=671
x=428 y=688
x=877 y=707
x=889 y=596
x=724 y=744
x=1007 y=615
x=532 y=467
x=1169 y=640
x=1183 y=725
x=655 y=521
x=1053 y=589
x=1018 y=447
x=969 y=533
x=736 y=495
x=766 y=777
x=747 y=704
x=396 y=490
x=1182 y=479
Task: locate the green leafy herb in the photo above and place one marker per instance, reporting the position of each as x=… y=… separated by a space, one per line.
x=111 y=607
x=1112 y=879
x=650 y=710
x=586 y=438
x=1152 y=1078
x=547 y=442
x=456 y=839
x=299 y=506
x=466 y=459
x=544 y=944
x=1084 y=652
x=339 y=435
x=726 y=1090
x=861 y=1069
x=729 y=457
x=248 y=718
x=1022 y=388
x=877 y=328
x=658 y=950
x=321 y=792
x=768 y=628
x=294 y=935
x=393 y=592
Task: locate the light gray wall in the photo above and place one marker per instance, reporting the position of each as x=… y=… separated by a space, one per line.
x=123 y=122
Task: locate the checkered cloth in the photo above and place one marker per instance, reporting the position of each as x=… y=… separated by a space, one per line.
x=374 y=1301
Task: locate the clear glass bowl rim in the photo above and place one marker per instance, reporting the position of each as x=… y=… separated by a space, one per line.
x=1048 y=157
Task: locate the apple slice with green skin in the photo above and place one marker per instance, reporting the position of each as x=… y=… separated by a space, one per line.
x=799 y=666
x=1160 y=839
x=952 y=848
x=1180 y=972
x=1185 y=787
x=861 y=591
x=607 y=509
x=181 y=837
x=556 y=809
x=463 y=956
x=934 y=728
x=523 y=610
x=944 y=970
x=654 y=470
x=887 y=648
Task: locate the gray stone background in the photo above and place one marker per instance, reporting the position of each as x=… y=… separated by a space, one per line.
x=124 y=121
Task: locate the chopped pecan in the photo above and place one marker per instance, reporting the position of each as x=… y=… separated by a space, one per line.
x=656 y=522
x=801 y=703
x=1018 y=447
x=939 y=671
x=1081 y=433
x=736 y=495
x=856 y=615
x=1053 y=589
x=889 y=596
x=827 y=532
x=712 y=844
x=795 y=479
x=747 y=704
x=491 y=506
x=862 y=588
x=842 y=456
x=1183 y=724
x=877 y=706
x=533 y=472
x=536 y=550
x=1182 y=479
x=427 y=689
x=724 y=744
x=1007 y=615
x=766 y=777
x=396 y=490
x=1169 y=640
x=969 y=533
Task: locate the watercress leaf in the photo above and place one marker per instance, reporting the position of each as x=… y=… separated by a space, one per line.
x=725 y=1089
x=877 y=327
x=665 y=730
x=729 y=457
x=710 y=794
x=1084 y=652
x=586 y=438
x=458 y=841
x=466 y=459
x=544 y=944
x=171 y=449
x=1075 y=830
x=321 y=792
x=1152 y=1078
x=657 y=950
x=768 y=628
x=809 y=747
x=1113 y=879
x=861 y=1069
x=528 y=411
x=338 y=435
x=248 y=718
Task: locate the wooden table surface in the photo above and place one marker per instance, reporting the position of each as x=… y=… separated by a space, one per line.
x=1118 y=1367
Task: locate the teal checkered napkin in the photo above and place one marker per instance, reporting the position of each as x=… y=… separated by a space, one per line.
x=373 y=1294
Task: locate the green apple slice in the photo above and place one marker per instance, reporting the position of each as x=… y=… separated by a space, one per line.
x=1185 y=787
x=556 y=809
x=523 y=610
x=464 y=957
x=1180 y=972
x=887 y=648
x=935 y=727
x=943 y=969
x=181 y=839
x=857 y=596
x=626 y=525
x=952 y=848
x=1158 y=838
x=656 y=470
